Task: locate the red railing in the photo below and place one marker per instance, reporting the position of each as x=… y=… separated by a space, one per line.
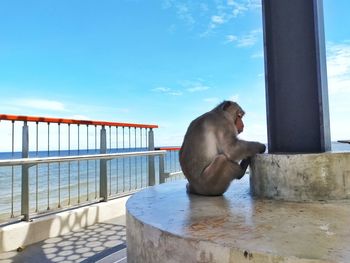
x=73 y=121
x=168 y=148
x=54 y=185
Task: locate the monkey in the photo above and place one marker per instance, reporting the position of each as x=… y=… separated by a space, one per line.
x=210 y=153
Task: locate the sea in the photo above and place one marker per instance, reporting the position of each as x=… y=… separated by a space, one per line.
x=65 y=184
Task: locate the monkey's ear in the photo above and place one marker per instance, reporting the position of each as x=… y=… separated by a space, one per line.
x=226 y=104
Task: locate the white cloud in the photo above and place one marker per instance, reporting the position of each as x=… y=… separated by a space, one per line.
x=168 y=91
x=212 y=100
x=172 y=135
x=217 y=19
x=234 y=98
x=161 y=89
x=182 y=9
x=231 y=38
x=194 y=85
x=238 y=8
x=338 y=67
x=216 y=100
x=167 y=4
x=247 y=40
x=183 y=12
x=78 y=117
x=259 y=54
x=203 y=7
x=189 y=86
x=256 y=131
x=198 y=87
x=96 y=110
x=40 y=104
x=172 y=28
x=123 y=110
x=254 y=4
x=175 y=93
x=215 y=12
x=338 y=71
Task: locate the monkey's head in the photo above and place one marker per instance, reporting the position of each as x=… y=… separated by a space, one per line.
x=235 y=112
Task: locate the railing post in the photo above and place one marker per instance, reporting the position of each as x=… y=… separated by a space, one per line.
x=151 y=169
x=161 y=169
x=103 y=166
x=25 y=174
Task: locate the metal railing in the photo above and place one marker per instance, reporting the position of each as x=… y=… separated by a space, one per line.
x=71 y=170
x=104 y=184
x=172 y=165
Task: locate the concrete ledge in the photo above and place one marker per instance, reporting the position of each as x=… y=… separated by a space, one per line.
x=301 y=177
x=25 y=233
x=165 y=224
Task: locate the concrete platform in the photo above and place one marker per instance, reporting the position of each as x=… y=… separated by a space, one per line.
x=165 y=224
x=301 y=177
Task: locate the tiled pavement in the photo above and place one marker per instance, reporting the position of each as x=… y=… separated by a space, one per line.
x=104 y=243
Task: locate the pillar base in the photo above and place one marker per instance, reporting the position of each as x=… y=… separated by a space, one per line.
x=165 y=224
x=301 y=177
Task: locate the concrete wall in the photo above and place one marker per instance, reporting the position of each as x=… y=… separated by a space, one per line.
x=25 y=233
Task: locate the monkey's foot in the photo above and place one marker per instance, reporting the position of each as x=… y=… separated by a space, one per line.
x=189 y=189
x=240 y=177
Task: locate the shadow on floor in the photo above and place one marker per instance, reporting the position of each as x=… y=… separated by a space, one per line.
x=90 y=244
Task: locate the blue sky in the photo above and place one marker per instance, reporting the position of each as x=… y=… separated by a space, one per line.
x=159 y=62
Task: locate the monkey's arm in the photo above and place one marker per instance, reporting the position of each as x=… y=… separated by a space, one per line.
x=240 y=149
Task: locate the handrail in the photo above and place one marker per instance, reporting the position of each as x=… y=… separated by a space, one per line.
x=69 y=180
x=72 y=121
x=344 y=141
x=104 y=184
x=78 y=158
x=168 y=148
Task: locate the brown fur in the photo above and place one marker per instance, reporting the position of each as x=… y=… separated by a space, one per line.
x=211 y=151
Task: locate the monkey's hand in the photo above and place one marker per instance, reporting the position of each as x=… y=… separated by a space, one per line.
x=262 y=148
x=244 y=165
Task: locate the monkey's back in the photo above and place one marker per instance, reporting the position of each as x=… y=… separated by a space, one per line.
x=200 y=144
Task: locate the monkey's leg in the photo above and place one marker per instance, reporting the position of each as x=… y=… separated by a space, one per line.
x=217 y=177
x=244 y=165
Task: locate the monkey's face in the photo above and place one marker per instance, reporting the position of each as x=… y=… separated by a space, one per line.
x=239 y=123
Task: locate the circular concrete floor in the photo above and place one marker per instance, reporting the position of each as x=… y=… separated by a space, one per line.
x=165 y=224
